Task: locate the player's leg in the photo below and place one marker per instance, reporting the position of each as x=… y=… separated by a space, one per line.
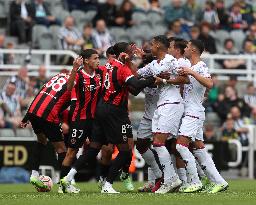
x=165 y=123
x=143 y=145
x=206 y=162
x=125 y=175
x=104 y=163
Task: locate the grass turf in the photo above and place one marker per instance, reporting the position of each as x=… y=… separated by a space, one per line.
x=240 y=192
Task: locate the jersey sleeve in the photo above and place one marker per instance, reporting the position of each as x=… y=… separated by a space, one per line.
x=169 y=65
x=203 y=70
x=145 y=71
x=125 y=73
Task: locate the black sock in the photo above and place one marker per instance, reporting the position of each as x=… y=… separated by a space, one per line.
x=122 y=158
x=64 y=171
x=89 y=158
x=37 y=155
x=103 y=170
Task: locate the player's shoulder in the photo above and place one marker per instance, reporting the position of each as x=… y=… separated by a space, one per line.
x=200 y=66
x=184 y=62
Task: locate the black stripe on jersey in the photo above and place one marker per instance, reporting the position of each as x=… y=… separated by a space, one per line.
x=35 y=98
x=39 y=103
x=89 y=105
x=81 y=95
x=72 y=110
x=100 y=93
x=52 y=103
x=116 y=85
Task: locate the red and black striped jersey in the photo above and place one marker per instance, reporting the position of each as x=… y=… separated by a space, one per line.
x=86 y=93
x=52 y=99
x=114 y=88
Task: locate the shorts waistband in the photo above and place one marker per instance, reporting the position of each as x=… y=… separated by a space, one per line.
x=175 y=103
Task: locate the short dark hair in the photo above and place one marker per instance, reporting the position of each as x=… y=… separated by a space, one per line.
x=87 y=53
x=171 y=39
x=163 y=40
x=227 y=40
x=198 y=44
x=110 y=51
x=180 y=44
x=120 y=47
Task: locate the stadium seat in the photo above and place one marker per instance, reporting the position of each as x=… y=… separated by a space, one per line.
x=117 y=32
x=24 y=133
x=238 y=36
x=140 y=17
x=79 y=16
x=89 y=15
x=11 y=39
x=60 y=13
x=164 y=3
x=155 y=18
x=37 y=32
x=2 y=10
x=221 y=36
x=158 y=30
x=54 y=29
x=46 y=40
x=36 y=60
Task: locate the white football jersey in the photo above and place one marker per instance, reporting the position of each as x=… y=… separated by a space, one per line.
x=184 y=62
x=167 y=93
x=194 y=91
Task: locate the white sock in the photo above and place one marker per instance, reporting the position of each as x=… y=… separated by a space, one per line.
x=71 y=174
x=35 y=173
x=199 y=170
x=166 y=163
x=208 y=166
x=182 y=175
x=151 y=176
x=189 y=159
x=149 y=158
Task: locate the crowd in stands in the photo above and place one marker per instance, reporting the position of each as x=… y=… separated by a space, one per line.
x=187 y=19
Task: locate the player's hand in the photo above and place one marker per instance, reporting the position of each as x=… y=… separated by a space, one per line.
x=158 y=80
x=139 y=52
x=23 y=124
x=77 y=63
x=165 y=75
x=185 y=71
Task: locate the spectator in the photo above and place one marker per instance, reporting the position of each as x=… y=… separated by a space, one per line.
x=229 y=132
x=21 y=81
x=102 y=37
x=236 y=19
x=246 y=11
x=223 y=106
x=89 y=40
x=239 y=125
x=229 y=49
x=250 y=96
x=84 y=5
x=108 y=12
x=30 y=94
x=207 y=39
x=209 y=134
x=209 y=14
x=124 y=15
x=222 y=15
x=193 y=10
x=252 y=34
x=176 y=30
x=43 y=14
x=156 y=7
x=248 y=47
x=194 y=32
x=2 y=40
x=176 y=11
x=141 y=5
x=232 y=81
x=9 y=58
x=21 y=20
x=41 y=79
x=70 y=37
x=12 y=105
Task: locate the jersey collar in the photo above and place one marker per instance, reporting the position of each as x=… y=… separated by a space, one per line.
x=91 y=76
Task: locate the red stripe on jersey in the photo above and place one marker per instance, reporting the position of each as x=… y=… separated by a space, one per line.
x=87 y=90
x=51 y=99
x=114 y=89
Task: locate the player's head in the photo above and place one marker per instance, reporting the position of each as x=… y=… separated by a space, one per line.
x=159 y=43
x=110 y=53
x=194 y=47
x=177 y=47
x=91 y=58
x=121 y=47
x=10 y=88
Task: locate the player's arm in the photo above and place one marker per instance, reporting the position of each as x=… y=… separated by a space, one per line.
x=179 y=80
x=205 y=81
x=139 y=85
x=76 y=64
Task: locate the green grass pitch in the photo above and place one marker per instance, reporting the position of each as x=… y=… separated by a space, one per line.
x=240 y=192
